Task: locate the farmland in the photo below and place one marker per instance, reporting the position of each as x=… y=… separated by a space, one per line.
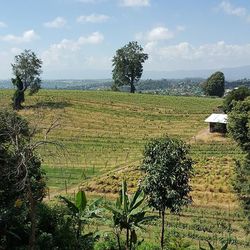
x=100 y=137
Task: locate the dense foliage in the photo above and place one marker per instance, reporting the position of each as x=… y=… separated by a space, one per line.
x=215 y=85
x=238 y=94
x=239 y=128
x=168 y=170
x=127 y=65
x=239 y=124
x=26 y=70
x=22 y=184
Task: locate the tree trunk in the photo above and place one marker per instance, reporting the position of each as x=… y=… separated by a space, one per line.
x=127 y=240
x=162 y=227
x=118 y=239
x=132 y=87
x=18 y=97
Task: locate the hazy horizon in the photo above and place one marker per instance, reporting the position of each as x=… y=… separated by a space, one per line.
x=78 y=38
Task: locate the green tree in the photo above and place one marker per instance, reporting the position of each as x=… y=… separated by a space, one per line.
x=26 y=70
x=239 y=124
x=129 y=214
x=22 y=183
x=239 y=129
x=215 y=85
x=239 y=94
x=168 y=170
x=128 y=66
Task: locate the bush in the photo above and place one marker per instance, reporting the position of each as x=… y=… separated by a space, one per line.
x=108 y=243
x=55 y=228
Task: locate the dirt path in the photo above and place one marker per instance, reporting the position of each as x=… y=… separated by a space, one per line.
x=205 y=136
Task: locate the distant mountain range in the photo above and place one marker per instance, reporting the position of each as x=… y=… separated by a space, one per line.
x=104 y=77
x=231 y=74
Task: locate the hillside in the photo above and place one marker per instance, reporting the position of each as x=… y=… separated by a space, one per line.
x=100 y=138
x=102 y=131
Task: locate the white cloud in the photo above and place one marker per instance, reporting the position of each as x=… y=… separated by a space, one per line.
x=67 y=48
x=229 y=9
x=58 y=22
x=93 y=18
x=135 y=3
x=160 y=33
x=3 y=25
x=26 y=37
x=187 y=56
x=156 y=34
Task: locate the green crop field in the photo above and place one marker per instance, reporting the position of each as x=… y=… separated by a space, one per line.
x=102 y=135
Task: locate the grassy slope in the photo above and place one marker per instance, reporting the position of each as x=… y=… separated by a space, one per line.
x=103 y=131
x=103 y=134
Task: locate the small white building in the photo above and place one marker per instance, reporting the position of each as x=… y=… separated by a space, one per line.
x=217 y=123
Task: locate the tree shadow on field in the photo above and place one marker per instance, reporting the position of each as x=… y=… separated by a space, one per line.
x=50 y=105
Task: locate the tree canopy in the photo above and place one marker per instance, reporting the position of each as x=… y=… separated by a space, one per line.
x=26 y=70
x=168 y=170
x=239 y=124
x=128 y=66
x=215 y=85
x=239 y=94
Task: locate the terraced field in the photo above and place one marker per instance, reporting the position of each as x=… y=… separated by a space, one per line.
x=103 y=135
x=104 y=131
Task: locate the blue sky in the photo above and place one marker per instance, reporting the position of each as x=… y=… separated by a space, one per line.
x=78 y=38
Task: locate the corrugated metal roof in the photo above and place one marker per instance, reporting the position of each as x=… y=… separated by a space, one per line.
x=217 y=118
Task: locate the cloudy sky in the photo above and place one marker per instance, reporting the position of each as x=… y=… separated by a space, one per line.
x=78 y=38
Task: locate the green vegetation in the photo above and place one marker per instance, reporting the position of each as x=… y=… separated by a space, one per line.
x=22 y=184
x=239 y=128
x=26 y=71
x=127 y=65
x=129 y=214
x=239 y=124
x=239 y=94
x=82 y=212
x=167 y=176
x=215 y=85
x=104 y=134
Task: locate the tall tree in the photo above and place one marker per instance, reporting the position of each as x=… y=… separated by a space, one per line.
x=168 y=170
x=215 y=85
x=26 y=70
x=128 y=66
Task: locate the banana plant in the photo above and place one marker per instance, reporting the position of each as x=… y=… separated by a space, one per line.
x=81 y=211
x=129 y=214
x=211 y=247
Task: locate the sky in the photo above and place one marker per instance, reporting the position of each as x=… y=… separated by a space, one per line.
x=78 y=38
